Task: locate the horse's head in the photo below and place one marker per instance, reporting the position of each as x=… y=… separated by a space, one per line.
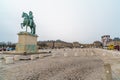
x=24 y=15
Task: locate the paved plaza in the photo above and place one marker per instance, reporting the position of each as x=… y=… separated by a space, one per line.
x=62 y=64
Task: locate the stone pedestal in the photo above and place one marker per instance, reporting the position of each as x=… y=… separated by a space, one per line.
x=27 y=43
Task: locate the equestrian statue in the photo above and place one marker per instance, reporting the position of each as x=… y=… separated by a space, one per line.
x=28 y=21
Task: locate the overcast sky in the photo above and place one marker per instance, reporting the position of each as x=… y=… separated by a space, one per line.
x=70 y=20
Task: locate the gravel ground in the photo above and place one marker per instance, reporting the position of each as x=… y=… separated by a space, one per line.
x=57 y=68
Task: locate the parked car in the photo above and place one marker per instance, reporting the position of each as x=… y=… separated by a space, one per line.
x=10 y=49
x=117 y=47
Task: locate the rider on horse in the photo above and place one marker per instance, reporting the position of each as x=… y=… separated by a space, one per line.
x=28 y=21
x=30 y=18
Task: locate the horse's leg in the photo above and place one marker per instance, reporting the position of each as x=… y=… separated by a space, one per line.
x=26 y=28
x=22 y=25
x=31 y=29
x=34 y=30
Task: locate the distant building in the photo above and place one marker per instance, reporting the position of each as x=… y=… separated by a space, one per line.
x=76 y=44
x=115 y=42
x=105 y=39
x=116 y=39
x=54 y=44
x=62 y=44
x=97 y=44
x=87 y=45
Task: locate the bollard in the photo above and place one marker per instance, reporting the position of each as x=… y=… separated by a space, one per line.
x=4 y=57
x=33 y=57
x=1 y=56
x=0 y=61
x=41 y=56
x=104 y=54
x=53 y=54
x=92 y=53
x=17 y=57
x=108 y=73
x=76 y=54
x=65 y=54
x=9 y=60
x=86 y=54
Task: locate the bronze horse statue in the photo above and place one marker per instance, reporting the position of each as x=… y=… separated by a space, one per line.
x=28 y=22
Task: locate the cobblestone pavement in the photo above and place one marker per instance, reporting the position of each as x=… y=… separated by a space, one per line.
x=59 y=68
x=69 y=64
